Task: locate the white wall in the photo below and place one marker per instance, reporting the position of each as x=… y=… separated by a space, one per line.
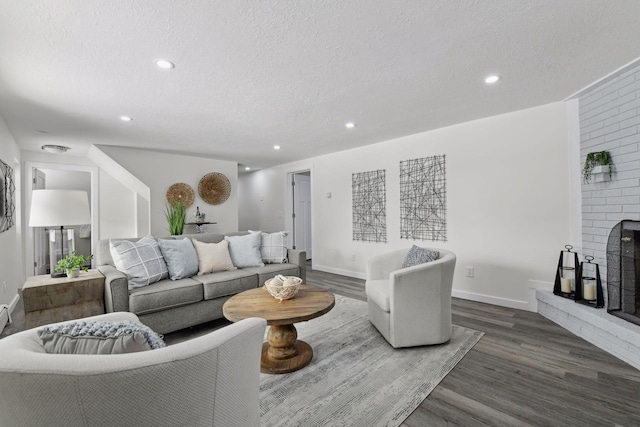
x=68 y=180
x=160 y=170
x=508 y=204
x=261 y=204
x=117 y=211
x=11 y=266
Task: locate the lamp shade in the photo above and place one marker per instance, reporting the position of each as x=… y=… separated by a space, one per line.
x=55 y=208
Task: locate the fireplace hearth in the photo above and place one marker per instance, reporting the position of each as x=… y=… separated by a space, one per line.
x=623 y=271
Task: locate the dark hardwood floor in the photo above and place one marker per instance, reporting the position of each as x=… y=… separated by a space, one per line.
x=525 y=371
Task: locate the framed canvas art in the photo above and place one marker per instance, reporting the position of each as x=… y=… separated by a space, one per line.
x=7 y=193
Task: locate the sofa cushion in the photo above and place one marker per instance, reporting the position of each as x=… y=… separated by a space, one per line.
x=99 y=337
x=163 y=295
x=180 y=256
x=225 y=283
x=418 y=255
x=141 y=261
x=269 y=271
x=378 y=292
x=245 y=250
x=213 y=257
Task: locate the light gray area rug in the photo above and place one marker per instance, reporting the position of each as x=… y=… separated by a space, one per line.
x=356 y=378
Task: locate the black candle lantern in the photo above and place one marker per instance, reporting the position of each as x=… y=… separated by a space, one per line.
x=566 y=273
x=589 y=288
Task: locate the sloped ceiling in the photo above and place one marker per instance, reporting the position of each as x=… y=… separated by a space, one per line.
x=252 y=74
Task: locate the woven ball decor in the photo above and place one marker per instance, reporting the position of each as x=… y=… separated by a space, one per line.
x=283 y=287
x=181 y=192
x=214 y=188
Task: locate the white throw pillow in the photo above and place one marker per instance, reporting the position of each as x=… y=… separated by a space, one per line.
x=141 y=261
x=213 y=257
x=272 y=247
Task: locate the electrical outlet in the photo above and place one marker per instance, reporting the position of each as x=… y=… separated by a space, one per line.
x=353 y=257
x=470 y=271
x=4 y=283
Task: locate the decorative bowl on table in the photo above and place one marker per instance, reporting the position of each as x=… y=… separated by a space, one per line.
x=283 y=287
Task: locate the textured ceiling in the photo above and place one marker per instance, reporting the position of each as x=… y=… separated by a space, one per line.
x=251 y=74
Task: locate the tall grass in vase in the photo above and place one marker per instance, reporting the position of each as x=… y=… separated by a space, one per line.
x=176 y=215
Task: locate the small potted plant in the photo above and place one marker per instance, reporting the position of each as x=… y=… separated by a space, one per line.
x=598 y=162
x=73 y=263
x=176 y=214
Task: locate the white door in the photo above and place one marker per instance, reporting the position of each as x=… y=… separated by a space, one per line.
x=302 y=213
x=41 y=243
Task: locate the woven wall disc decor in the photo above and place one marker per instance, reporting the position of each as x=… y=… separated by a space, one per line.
x=214 y=188
x=181 y=192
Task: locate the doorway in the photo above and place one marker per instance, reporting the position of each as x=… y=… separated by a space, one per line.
x=298 y=212
x=65 y=177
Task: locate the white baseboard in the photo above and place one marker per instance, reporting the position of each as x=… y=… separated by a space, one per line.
x=4 y=316
x=339 y=271
x=13 y=303
x=488 y=299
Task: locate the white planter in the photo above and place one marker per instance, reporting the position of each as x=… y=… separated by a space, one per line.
x=601 y=174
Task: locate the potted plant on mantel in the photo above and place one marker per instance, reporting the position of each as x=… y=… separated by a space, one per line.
x=176 y=214
x=597 y=163
x=72 y=264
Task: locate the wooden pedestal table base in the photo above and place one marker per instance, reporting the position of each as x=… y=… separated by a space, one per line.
x=283 y=352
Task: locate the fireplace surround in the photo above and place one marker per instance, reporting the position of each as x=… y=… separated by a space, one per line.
x=623 y=271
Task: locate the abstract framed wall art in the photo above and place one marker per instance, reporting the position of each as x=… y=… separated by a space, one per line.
x=423 y=191
x=369 y=206
x=7 y=197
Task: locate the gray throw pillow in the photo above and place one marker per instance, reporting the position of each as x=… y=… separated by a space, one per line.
x=418 y=255
x=180 y=256
x=245 y=250
x=95 y=337
x=141 y=261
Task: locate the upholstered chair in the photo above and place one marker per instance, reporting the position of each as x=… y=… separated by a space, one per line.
x=211 y=380
x=410 y=306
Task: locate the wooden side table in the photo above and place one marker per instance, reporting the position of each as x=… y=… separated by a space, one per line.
x=49 y=300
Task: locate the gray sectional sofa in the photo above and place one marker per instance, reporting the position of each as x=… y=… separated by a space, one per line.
x=170 y=305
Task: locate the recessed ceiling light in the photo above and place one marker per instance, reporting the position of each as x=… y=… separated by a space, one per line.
x=125 y=118
x=350 y=125
x=492 y=79
x=247 y=168
x=276 y=147
x=164 y=64
x=56 y=149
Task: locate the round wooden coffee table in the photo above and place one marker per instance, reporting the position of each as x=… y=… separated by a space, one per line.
x=283 y=352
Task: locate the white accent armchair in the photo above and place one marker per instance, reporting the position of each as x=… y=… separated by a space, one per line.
x=410 y=306
x=212 y=380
